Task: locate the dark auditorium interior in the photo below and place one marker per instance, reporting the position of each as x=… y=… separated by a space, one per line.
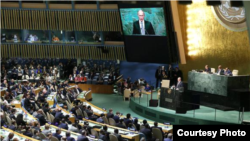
x=76 y=70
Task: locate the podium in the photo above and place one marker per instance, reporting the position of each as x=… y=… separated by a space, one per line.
x=180 y=100
x=170 y=98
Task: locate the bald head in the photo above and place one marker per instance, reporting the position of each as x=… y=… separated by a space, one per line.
x=141 y=15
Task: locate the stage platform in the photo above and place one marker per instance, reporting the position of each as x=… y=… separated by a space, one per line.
x=204 y=115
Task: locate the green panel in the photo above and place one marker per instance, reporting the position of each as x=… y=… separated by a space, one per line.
x=176 y=119
x=216 y=84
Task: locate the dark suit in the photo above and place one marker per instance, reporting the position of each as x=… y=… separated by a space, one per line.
x=119 y=137
x=208 y=70
x=120 y=125
x=127 y=121
x=82 y=138
x=12 y=127
x=221 y=72
x=70 y=139
x=147 y=25
x=28 y=134
x=116 y=118
x=179 y=85
x=27 y=103
x=64 y=126
x=12 y=116
x=110 y=115
x=147 y=133
x=228 y=72
x=41 y=119
x=57 y=136
x=59 y=115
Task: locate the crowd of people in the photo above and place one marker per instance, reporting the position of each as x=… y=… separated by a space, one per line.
x=171 y=74
x=38 y=106
x=50 y=69
x=97 y=73
x=220 y=70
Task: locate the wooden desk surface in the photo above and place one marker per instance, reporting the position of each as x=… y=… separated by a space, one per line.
x=134 y=136
x=17 y=135
x=63 y=131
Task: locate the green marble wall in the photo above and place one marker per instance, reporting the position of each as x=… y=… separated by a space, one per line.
x=216 y=84
x=153 y=15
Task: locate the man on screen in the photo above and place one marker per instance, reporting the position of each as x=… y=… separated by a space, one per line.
x=142 y=26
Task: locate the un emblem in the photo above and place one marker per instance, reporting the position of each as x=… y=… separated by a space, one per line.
x=233 y=18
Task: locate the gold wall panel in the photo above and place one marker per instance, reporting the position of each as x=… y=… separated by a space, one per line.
x=108 y=6
x=32 y=5
x=10 y=4
x=60 y=20
x=85 y=6
x=60 y=51
x=212 y=44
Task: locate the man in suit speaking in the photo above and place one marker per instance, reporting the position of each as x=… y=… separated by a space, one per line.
x=142 y=26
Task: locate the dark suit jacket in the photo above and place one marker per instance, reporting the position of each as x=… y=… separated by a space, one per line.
x=208 y=70
x=70 y=139
x=148 y=28
x=59 y=115
x=116 y=118
x=64 y=126
x=82 y=138
x=27 y=103
x=120 y=125
x=179 y=85
x=41 y=119
x=110 y=115
x=12 y=127
x=221 y=72
x=127 y=121
x=119 y=137
x=147 y=133
x=57 y=136
x=12 y=116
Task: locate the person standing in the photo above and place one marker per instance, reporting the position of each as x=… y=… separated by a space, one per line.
x=158 y=76
x=177 y=73
x=170 y=75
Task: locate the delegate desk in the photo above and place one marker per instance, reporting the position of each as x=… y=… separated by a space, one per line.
x=98 y=111
x=127 y=134
x=216 y=84
x=85 y=95
x=96 y=88
x=63 y=132
x=65 y=112
x=4 y=132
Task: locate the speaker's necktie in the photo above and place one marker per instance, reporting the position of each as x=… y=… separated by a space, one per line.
x=142 y=29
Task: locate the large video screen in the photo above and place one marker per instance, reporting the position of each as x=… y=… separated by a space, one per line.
x=148 y=31
x=143 y=21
